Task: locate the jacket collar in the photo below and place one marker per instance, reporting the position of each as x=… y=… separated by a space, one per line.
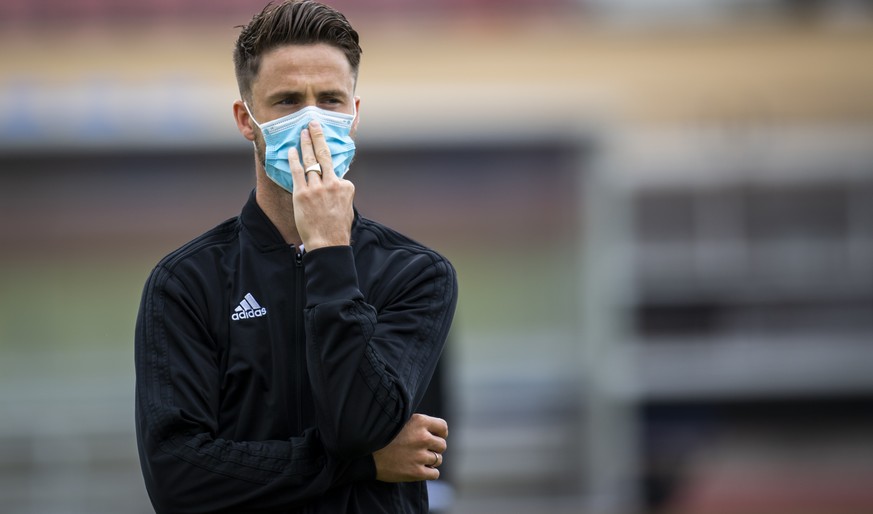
x=263 y=233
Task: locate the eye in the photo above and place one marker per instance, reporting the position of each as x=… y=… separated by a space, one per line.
x=287 y=101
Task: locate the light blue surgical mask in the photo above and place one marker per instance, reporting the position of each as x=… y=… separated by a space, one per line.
x=282 y=134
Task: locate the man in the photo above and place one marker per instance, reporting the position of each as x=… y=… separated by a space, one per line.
x=281 y=356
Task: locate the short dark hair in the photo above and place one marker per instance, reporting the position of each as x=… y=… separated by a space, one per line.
x=292 y=22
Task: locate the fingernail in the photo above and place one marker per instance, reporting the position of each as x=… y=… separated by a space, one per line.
x=314 y=124
x=305 y=133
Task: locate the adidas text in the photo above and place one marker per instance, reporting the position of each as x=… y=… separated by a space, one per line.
x=255 y=313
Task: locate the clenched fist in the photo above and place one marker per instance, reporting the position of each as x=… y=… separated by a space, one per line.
x=416 y=452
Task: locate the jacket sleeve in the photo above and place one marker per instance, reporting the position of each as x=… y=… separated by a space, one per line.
x=369 y=370
x=186 y=467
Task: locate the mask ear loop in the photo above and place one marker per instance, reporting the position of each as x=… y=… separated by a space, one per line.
x=251 y=116
x=254 y=120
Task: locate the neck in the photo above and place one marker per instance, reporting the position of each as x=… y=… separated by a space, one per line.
x=278 y=205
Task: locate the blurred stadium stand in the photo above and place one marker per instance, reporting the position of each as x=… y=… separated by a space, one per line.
x=39 y=12
x=664 y=237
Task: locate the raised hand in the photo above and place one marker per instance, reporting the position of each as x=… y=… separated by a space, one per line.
x=323 y=203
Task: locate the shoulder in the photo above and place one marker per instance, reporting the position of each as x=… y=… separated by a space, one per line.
x=370 y=236
x=189 y=282
x=189 y=273
x=395 y=270
x=389 y=261
x=204 y=247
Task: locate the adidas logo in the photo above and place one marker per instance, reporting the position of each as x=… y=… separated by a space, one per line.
x=248 y=308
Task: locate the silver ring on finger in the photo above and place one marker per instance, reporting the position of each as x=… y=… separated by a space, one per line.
x=313 y=168
x=436 y=459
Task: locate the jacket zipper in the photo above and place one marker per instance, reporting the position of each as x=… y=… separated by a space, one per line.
x=300 y=338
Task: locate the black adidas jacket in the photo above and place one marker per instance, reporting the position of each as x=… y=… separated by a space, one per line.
x=265 y=380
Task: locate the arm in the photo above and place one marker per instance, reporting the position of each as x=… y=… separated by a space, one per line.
x=188 y=469
x=368 y=370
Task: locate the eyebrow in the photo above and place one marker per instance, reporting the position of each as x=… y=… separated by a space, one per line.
x=297 y=95
x=278 y=95
x=334 y=93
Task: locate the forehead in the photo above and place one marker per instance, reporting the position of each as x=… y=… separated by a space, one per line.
x=316 y=66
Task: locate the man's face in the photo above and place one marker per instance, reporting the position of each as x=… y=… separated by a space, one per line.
x=292 y=77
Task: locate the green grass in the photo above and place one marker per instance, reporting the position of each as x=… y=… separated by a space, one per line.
x=56 y=304
x=516 y=288
x=89 y=304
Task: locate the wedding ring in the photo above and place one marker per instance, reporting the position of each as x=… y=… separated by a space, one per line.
x=436 y=459
x=314 y=167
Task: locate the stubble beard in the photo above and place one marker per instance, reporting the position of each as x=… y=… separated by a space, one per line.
x=260 y=150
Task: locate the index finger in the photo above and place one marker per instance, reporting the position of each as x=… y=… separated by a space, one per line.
x=437 y=427
x=321 y=150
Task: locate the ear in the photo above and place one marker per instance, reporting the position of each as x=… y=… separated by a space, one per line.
x=357 y=117
x=244 y=122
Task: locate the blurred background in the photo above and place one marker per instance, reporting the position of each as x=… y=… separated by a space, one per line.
x=661 y=213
